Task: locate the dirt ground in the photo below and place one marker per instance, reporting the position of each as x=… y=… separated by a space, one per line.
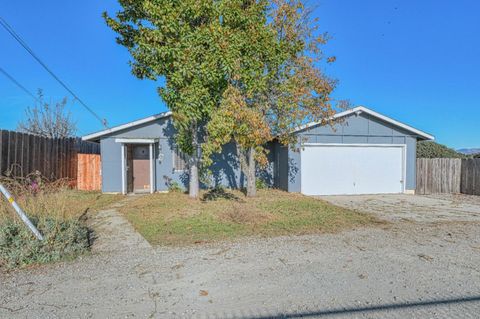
x=402 y=270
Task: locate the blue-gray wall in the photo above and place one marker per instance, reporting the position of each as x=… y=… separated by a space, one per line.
x=226 y=169
x=353 y=129
x=283 y=170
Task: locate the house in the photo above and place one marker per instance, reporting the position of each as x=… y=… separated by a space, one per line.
x=363 y=153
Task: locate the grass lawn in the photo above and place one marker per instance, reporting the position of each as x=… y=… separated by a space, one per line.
x=62 y=204
x=174 y=219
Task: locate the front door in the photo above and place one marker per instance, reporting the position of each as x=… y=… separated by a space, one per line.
x=141 y=168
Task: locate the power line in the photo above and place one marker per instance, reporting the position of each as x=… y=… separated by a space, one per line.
x=30 y=51
x=11 y=78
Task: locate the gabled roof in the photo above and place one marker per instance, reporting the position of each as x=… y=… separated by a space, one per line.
x=96 y=136
x=363 y=109
x=356 y=110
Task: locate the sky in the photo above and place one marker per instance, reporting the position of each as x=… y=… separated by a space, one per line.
x=415 y=61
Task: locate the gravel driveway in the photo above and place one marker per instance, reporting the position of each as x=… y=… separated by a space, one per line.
x=426 y=208
x=399 y=270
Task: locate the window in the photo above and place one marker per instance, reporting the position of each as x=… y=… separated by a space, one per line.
x=179 y=160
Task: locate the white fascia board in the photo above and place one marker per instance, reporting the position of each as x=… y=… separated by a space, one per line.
x=136 y=140
x=362 y=109
x=350 y=145
x=94 y=136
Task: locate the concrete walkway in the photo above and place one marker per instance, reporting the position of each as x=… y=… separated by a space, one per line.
x=113 y=233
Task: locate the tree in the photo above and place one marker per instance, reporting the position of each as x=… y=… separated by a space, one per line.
x=248 y=43
x=179 y=42
x=48 y=120
x=430 y=149
x=274 y=81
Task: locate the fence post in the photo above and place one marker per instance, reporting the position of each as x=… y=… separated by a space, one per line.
x=20 y=213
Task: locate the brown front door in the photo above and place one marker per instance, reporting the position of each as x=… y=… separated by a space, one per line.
x=141 y=168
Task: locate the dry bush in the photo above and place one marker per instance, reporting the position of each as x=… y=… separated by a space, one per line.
x=244 y=213
x=58 y=213
x=38 y=196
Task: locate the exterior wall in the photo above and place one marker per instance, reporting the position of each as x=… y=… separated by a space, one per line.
x=225 y=170
x=354 y=129
x=111 y=166
x=283 y=170
x=162 y=130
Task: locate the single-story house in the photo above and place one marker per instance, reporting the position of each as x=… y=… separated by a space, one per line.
x=363 y=153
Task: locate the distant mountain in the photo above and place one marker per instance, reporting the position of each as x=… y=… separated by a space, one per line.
x=469 y=151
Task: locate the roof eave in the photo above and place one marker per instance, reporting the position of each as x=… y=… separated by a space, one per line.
x=363 y=109
x=95 y=137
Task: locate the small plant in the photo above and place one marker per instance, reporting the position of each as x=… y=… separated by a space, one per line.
x=260 y=184
x=175 y=187
x=62 y=240
x=172 y=186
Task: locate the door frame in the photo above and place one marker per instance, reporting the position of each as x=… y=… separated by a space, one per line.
x=126 y=141
x=402 y=146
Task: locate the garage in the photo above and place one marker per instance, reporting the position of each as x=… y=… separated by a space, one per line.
x=350 y=169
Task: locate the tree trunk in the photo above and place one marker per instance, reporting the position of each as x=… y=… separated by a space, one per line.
x=194 y=183
x=251 y=180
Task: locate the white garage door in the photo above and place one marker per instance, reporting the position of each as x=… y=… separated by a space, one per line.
x=352 y=169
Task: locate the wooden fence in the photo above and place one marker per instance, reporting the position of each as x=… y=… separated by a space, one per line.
x=438 y=175
x=22 y=154
x=448 y=175
x=89 y=172
x=471 y=176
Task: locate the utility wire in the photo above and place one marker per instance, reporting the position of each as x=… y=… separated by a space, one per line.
x=30 y=51
x=11 y=78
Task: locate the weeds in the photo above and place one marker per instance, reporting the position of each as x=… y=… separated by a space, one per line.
x=58 y=212
x=63 y=240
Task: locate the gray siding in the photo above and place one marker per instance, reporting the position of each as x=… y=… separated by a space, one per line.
x=283 y=170
x=111 y=166
x=354 y=129
x=225 y=170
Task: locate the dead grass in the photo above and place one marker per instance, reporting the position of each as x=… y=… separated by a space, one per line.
x=62 y=204
x=57 y=211
x=174 y=219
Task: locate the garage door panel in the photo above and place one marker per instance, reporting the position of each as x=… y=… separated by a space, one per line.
x=335 y=170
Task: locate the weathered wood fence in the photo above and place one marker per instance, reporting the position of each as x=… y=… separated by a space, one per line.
x=470 y=176
x=22 y=154
x=448 y=175
x=89 y=172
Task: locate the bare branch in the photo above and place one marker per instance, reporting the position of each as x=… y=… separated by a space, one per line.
x=48 y=121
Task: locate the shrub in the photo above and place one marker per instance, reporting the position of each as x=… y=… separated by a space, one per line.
x=175 y=187
x=429 y=149
x=62 y=240
x=59 y=213
x=260 y=184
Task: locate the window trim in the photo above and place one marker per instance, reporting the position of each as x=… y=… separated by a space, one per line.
x=177 y=153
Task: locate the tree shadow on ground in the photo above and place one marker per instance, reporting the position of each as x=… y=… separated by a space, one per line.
x=381 y=310
x=219 y=193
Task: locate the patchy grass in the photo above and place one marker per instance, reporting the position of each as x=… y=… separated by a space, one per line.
x=174 y=219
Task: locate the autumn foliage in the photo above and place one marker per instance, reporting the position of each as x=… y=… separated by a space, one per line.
x=235 y=71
